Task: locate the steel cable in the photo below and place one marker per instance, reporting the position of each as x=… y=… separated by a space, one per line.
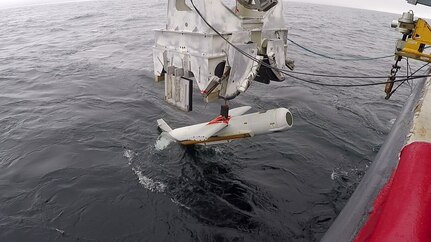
x=336 y=58
x=287 y=73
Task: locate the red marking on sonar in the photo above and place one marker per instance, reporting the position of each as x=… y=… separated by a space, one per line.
x=219 y=119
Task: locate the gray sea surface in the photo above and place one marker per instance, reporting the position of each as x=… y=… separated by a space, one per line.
x=80 y=158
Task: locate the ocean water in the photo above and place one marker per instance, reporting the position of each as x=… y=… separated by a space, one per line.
x=81 y=158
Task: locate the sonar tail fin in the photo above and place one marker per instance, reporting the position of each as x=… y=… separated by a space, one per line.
x=163 y=126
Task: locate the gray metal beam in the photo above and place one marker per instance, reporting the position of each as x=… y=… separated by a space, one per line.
x=355 y=214
x=424 y=2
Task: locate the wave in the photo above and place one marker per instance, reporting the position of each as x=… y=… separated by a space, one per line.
x=86 y=16
x=56 y=29
x=133 y=18
x=149 y=183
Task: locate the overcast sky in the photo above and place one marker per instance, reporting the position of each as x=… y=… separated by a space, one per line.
x=394 y=6
x=17 y=3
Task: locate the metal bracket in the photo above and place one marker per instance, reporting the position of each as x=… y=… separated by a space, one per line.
x=178 y=90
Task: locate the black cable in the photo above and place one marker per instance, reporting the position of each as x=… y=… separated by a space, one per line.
x=408 y=65
x=231 y=44
x=225 y=39
x=337 y=76
x=354 y=85
x=336 y=58
x=185 y=78
x=410 y=69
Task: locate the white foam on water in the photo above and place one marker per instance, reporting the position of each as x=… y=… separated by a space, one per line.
x=180 y=204
x=129 y=154
x=162 y=142
x=333 y=175
x=337 y=174
x=148 y=183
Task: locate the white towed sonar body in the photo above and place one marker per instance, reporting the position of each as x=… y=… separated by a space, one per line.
x=236 y=126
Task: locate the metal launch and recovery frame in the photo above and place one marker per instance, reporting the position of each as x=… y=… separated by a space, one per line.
x=414 y=44
x=211 y=43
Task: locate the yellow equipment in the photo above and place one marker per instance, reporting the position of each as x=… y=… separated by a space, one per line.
x=416 y=39
x=416 y=43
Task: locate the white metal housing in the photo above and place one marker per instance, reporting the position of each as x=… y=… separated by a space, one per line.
x=219 y=70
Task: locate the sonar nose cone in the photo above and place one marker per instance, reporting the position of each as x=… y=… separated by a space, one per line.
x=284 y=116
